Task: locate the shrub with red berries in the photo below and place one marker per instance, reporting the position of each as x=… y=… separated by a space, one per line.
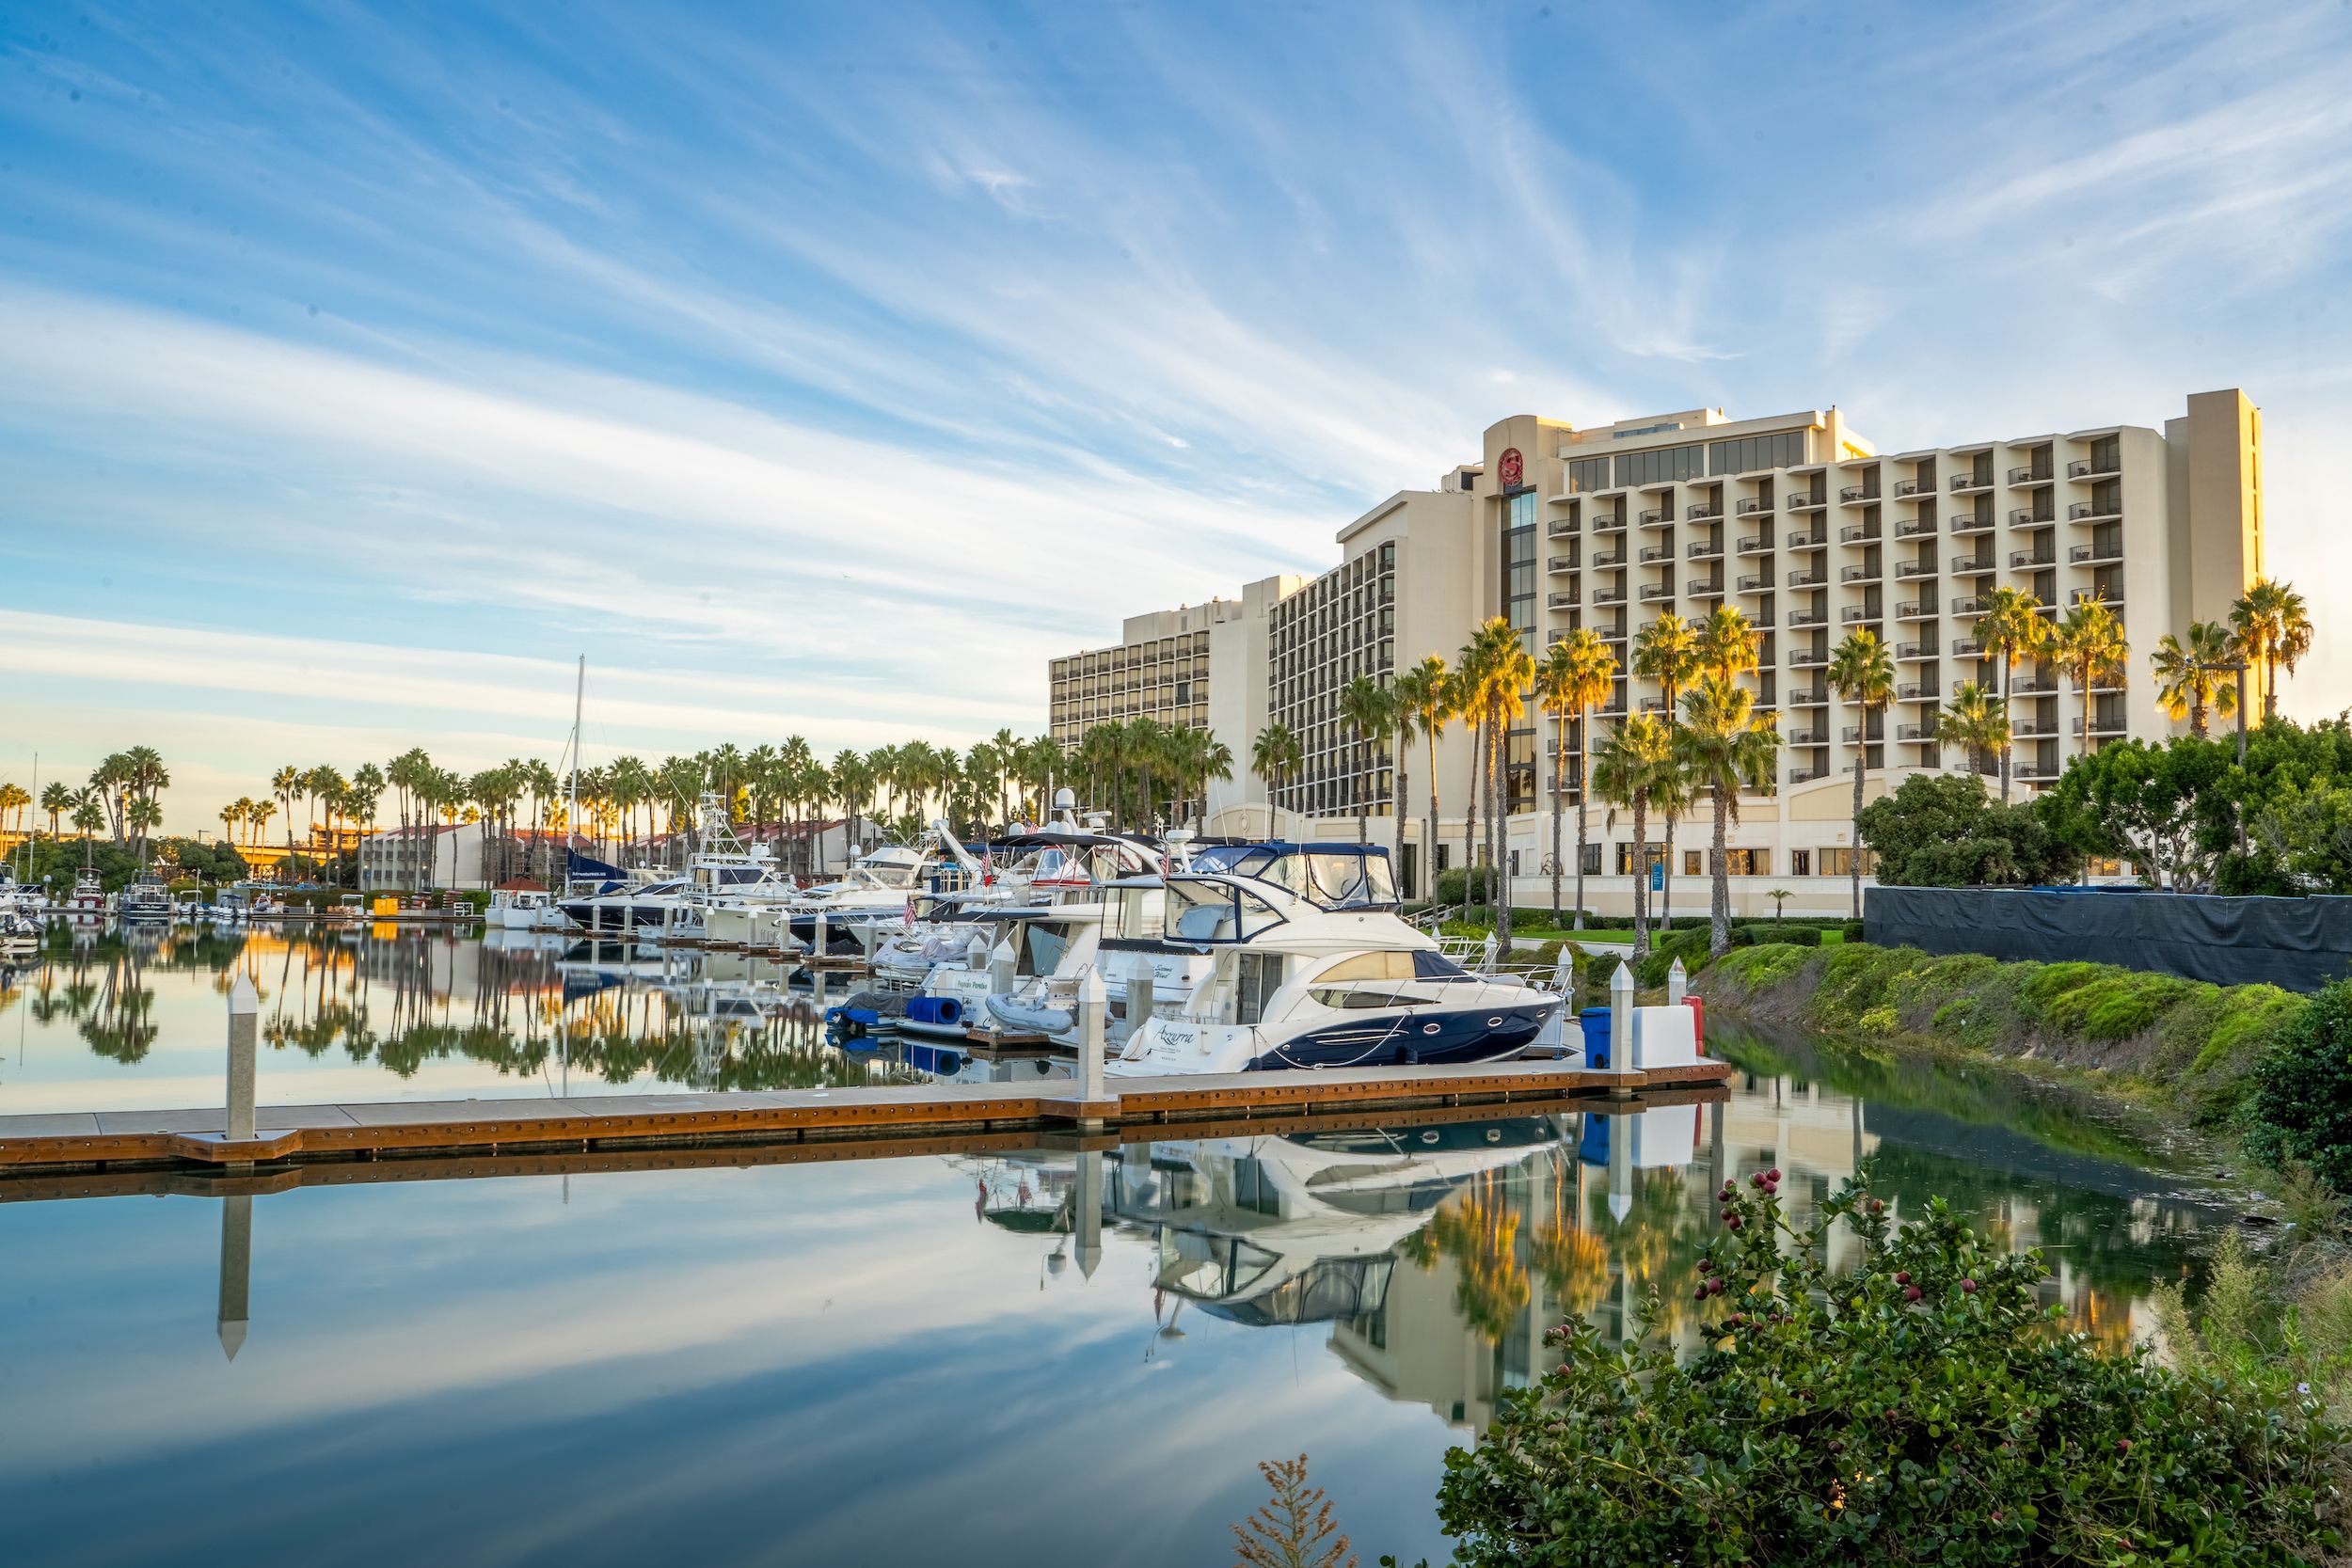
x=1920 y=1404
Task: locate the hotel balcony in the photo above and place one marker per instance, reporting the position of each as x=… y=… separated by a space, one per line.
x=2033 y=686
x=1808 y=738
x=1653 y=705
x=1918 y=692
x=1916 y=610
x=1921 y=734
x=1560 y=563
x=1807 y=659
x=1562 y=601
x=1808 y=617
x=1754 y=582
x=1905 y=489
x=1657 y=518
x=1608 y=560
x=2020 y=559
x=1808 y=502
x=1855 y=614
x=1913 y=527
x=1858 y=574
x=2092 y=555
x=1859 y=533
x=1806 y=775
x=1657 y=591
x=1759 y=545
x=1965 y=607
x=1967 y=647
x=1563 y=527
x=1609 y=595
x=1968 y=523
x=1756 y=503
x=1813 y=578
x=1652 y=554
x=2022 y=518
x=1970 y=485
x=2035 y=475
x=2034 y=772
x=2091 y=512
x=1907 y=570
x=1612 y=634
x=2094 y=595
x=1818 y=539
x=2101 y=723
x=1818 y=697
x=1608 y=522
x=1974 y=565
x=1706 y=549
x=1615 y=710
x=2033 y=729
x=2090 y=467
x=1856 y=495
x=1704 y=588
x=1917 y=651
x=1703 y=511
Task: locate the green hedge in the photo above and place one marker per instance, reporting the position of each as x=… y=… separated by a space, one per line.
x=2206 y=1042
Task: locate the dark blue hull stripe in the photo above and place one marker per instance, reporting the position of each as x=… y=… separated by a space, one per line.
x=1482 y=1034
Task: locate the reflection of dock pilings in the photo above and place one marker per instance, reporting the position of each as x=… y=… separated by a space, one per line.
x=236 y=1270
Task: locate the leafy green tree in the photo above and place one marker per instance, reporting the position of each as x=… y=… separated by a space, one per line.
x=1946 y=831
x=2301 y=1107
x=2137 y=800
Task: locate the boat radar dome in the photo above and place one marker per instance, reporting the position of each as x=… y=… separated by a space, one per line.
x=1065 y=798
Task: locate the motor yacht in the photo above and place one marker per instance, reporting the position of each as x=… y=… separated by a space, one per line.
x=89 y=902
x=523 y=909
x=147 y=899
x=1313 y=968
x=723 y=869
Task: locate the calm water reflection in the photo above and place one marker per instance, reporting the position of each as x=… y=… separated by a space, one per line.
x=110 y=1019
x=1015 y=1357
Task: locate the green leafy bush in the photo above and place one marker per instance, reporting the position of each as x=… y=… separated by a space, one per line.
x=2301 y=1104
x=1945 y=832
x=1922 y=1408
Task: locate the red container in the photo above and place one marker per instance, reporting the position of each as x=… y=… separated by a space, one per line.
x=1698 y=1020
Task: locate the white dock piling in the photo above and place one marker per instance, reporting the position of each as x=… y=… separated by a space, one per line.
x=1091 y=1010
x=245 y=1017
x=1677 y=984
x=1621 y=1024
x=1139 y=1001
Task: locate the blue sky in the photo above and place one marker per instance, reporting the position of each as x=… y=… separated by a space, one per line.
x=824 y=370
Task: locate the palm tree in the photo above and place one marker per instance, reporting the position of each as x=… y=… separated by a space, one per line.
x=1274 y=755
x=1630 y=764
x=1503 y=669
x=1668 y=652
x=56 y=800
x=1425 y=700
x=258 y=814
x=2091 y=646
x=2273 y=630
x=1975 y=722
x=1574 y=679
x=1206 y=757
x=2009 y=632
x=1364 y=706
x=89 y=814
x=1466 y=695
x=2191 y=677
x=285 y=784
x=1862 y=674
x=1725 y=745
x=143 y=815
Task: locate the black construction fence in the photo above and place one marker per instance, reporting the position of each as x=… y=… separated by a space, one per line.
x=2301 y=943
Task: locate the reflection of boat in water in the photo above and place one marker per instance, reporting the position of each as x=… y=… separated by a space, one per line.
x=1304 y=1228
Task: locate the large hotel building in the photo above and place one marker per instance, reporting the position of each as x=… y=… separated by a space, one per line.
x=1796 y=520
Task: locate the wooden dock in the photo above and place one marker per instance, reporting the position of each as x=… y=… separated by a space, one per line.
x=90 y=1141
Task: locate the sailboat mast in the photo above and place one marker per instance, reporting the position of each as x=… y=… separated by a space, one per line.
x=571 y=815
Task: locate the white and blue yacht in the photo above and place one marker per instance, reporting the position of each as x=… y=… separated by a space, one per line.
x=1312 y=968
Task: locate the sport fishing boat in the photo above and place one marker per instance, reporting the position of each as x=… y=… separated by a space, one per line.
x=1313 y=968
x=88 y=903
x=723 y=869
x=147 y=899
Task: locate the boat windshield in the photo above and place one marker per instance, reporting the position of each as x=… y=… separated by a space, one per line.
x=1134 y=913
x=1330 y=876
x=1202 y=911
x=889 y=874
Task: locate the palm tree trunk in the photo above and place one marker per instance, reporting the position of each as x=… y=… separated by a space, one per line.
x=1559 y=806
x=1429 y=843
x=1499 y=822
x=1398 y=787
x=1640 y=877
x=1719 y=934
x=2008 y=682
x=1853 y=853
x=1583 y=788
x=1470 y=816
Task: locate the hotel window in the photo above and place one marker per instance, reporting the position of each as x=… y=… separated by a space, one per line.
x=1592 y=859
x=1784 y=451
x=1801 y=863
x=1839 y=862
x=1749 y=863
x=1588 y=473
x=1690 y=862
x=1661 y=466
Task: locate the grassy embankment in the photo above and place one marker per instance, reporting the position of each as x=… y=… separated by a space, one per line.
x=2193 y=1044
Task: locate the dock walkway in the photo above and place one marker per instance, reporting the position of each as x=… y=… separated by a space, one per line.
x=104 y=1139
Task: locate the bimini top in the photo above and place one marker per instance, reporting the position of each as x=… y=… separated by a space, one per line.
x=1328 y=876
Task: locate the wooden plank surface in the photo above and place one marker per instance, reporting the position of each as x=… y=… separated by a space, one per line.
x=357 y=1130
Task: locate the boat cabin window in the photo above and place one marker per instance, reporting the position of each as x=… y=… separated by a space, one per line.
x=1334 y=877
x=890 y=876
x=1216 y=911
x=1134 y=913
x=1369 y=966
x=1042 y=946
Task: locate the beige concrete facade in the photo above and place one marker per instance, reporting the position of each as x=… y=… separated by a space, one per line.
x=1809 y=530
